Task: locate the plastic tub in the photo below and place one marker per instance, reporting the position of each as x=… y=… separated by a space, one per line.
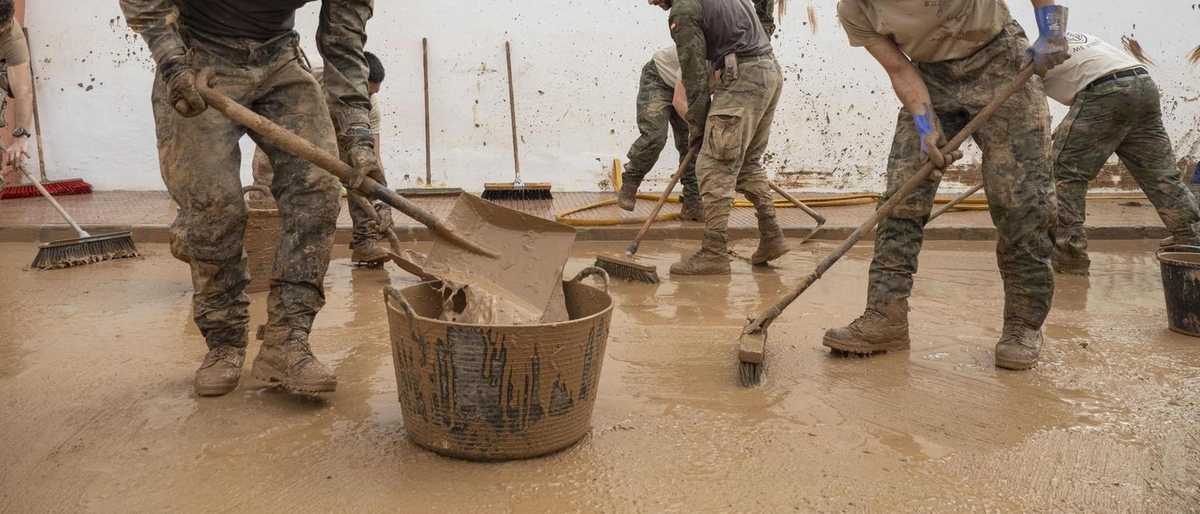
x=497 y=392
x=1181 y=285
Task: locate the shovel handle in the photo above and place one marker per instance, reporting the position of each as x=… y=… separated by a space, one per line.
x=893 y=199
x=304 y=149
x=662 y=200
x=957 y=200
x=816 y=216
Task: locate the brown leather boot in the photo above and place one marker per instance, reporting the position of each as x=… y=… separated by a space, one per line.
x=771 y=243
x=292 y=364
x=369 y=253
x=877 y=330
x=712 y=259
x=627 y=198
x=1071 y=264
x=692 y=209
x=221 y=371
x=1019 y=347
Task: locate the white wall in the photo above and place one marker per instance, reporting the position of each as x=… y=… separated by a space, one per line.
x=577 y=66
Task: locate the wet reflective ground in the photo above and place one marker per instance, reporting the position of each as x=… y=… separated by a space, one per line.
x=97 y=412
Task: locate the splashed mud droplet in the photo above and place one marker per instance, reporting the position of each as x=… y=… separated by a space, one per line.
x=1135 y=49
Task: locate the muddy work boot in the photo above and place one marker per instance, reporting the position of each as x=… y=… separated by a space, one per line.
x=771 y=243
x=1077 y=264
x=369 y=253
x=292 y=364
x=1019 y=347
x=692 y=209
x=875 y=331
x=221 y=371
x=712 y=259
x=627 y=198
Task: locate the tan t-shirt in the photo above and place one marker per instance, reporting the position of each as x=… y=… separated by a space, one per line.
x=666 y=61
x=926 y=30
x=13 y=49
x=1091 y=58
x=375 y=118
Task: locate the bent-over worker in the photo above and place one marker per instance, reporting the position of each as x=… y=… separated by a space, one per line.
x=946 y=60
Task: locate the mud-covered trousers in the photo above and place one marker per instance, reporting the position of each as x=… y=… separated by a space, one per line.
x=1122 y=116
x=1016 y=175
x=656 y=117
x=736 y=133
x=200 y=162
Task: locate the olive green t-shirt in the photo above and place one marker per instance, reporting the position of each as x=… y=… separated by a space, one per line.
x=926 y=30
x=13 y=48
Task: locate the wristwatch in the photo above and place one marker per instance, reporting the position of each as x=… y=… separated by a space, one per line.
x=21 y=132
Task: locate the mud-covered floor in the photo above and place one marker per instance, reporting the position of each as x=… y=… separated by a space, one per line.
x=97 y=412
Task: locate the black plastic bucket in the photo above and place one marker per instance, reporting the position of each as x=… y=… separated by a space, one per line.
x=1181 y=284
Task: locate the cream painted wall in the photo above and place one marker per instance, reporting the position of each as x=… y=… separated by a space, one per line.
x=576 y=70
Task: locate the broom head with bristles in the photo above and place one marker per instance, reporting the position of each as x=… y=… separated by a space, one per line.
x=626 y=269
x=85 y=250
x=751 y=346
x=506 y=191
x=72 y=186
x=429 y=191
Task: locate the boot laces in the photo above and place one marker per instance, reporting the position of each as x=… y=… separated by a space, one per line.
x=869 y=317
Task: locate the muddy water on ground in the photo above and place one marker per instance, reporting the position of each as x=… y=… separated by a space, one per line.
x=98 y=414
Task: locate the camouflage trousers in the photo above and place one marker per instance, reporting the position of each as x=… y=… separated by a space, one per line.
x=656 y=116
x=200 y=161
x=1016 y=175
x=736 y=133
x=264 y=175
x=1122 y=116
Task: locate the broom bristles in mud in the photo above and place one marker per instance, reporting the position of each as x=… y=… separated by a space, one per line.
x=532 y=191
x=751 y=347
x=85 y=250
x=625 y=269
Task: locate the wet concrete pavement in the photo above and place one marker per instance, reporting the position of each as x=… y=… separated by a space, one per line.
x=98 y=414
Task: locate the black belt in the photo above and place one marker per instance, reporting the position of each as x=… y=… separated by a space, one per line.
x=1118 y=75
x=720 y=65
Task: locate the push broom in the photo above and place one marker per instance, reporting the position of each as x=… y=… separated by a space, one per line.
x=627 y=268
x=518 y=190
x=86 y=249
x=429 y=189
x=753 y=340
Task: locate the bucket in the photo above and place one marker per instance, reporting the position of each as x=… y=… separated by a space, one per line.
x=497 y=392
x=1181 y=284
x=262 y=237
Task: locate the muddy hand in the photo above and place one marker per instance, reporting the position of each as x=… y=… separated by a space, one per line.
x=1051 y=48
x=929 y=129
x=358 y=149
x=180 y=79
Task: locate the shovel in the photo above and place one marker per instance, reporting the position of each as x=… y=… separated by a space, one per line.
x=285 y=139
x=816 y=216
x=753 y=340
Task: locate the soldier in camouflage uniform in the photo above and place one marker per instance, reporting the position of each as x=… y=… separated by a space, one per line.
x=979 y=49
x=1115 y=107
x=257 y=59
x=734 y=129
x=657 y=115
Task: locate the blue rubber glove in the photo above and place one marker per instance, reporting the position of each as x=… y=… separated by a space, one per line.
x=1196 y=174
x=930 y=133
x=1051 y=48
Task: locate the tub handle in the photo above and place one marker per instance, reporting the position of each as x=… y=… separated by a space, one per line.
x=390 y=293
x=1176 y=248
x=590 y=271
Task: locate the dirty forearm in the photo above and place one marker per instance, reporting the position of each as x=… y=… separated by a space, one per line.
x=906 y=81
x=686 y=19
x=155 y=21
x=679 y=101
x=341 y=36
x=21 y=81
x=1042 y=3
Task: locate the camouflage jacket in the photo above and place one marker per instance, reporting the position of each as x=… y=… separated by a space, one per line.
x=341 y=36
x=766 y=15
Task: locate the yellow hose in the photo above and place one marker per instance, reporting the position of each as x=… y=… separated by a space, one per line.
x=970 y=204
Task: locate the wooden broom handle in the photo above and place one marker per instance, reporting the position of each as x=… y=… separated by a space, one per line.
x=512 y=111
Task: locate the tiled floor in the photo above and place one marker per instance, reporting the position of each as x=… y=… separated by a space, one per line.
x=154 y=210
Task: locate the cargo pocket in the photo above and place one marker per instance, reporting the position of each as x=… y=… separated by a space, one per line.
x=723 y=134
